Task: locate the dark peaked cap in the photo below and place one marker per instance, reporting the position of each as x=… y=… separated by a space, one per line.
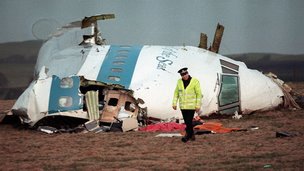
x=183 y=70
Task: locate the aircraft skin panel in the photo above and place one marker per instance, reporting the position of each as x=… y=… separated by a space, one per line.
x=123 y=59
x=155 y=82
x=39 y=99
x=258 y=92
x=22 y=101
x=91 y=67
x=35 y=100
x=66 y=62
x=155 y=77
x=61 y=54
x=64 y=97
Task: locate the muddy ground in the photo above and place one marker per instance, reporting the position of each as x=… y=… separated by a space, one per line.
x=259 y=149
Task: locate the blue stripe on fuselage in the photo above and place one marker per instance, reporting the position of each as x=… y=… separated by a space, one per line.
x=119 y=64
x=59 y=91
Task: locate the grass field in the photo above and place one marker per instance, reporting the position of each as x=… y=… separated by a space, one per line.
x=259 y=149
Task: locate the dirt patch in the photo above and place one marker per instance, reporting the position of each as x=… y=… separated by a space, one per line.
x=258 y=149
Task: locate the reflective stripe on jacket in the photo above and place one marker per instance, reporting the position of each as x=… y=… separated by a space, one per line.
x=189 y=98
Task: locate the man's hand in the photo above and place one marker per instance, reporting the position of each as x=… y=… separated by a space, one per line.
x=174 y=107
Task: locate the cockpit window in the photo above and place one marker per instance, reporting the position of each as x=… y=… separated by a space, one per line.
x=229 y=68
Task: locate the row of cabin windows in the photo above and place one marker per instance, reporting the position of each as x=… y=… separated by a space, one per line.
x=120 y=60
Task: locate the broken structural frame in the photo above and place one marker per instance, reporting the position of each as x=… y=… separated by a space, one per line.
x=103 y=103
x=216 y=40
x=111 y=101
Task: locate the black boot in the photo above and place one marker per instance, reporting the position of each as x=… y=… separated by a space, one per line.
x=185 y=139
x=192 y=138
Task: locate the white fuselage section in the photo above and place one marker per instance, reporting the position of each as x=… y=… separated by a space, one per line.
x=151 y=72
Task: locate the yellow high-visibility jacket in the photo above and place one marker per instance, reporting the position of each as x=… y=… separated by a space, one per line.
x=189 y=98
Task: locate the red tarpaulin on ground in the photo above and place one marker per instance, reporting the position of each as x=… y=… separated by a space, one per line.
x=215 y=127
x=164 y=127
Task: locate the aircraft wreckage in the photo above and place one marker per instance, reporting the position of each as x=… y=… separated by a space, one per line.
x=78 y=76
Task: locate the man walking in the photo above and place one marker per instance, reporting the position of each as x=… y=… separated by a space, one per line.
x=189 y=95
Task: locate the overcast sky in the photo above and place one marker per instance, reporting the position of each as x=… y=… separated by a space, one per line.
x=274 y=26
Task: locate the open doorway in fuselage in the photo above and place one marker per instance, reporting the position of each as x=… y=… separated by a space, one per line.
x=229 y=94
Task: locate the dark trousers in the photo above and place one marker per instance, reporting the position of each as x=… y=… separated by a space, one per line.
x=188 y=117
